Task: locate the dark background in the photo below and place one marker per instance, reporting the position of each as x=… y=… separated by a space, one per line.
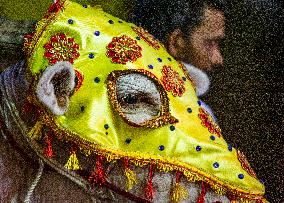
x=247 y=94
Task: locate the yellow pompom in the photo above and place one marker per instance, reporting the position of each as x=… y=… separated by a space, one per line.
x=72 y=163
x=178 y=193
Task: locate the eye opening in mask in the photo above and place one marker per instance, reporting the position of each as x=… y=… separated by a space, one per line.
x=139 y=98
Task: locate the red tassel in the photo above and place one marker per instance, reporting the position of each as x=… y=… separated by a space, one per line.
x=98 y=175
x=149 y=190
x=178 y=176
x=48 y=152
x=202 y=193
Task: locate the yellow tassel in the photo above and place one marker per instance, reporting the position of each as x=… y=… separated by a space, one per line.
x=72 y=163
x=35 y=132
x=131 y=179
x=178 y=193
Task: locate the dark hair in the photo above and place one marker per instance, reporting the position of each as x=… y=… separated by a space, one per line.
x=161 y=17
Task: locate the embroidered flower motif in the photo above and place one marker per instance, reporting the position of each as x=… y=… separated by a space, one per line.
x=147 y=37
x=207 y=121
x=172 y=81
x=245 y=164
x=123 y=49
x=61 y=48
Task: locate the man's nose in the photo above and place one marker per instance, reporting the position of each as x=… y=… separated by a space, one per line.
x=216 y=58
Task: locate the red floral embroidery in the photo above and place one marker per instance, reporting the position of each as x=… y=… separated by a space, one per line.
x=207 y=121
x=245 y=164
x=172 y=81
x=147 y=37
x=123 y=49
x=61 y=48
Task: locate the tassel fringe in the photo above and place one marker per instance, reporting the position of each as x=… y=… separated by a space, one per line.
x=35 y=132
x=202 y=193
x=72 y=163
x=149 y=190
x=98 y=175
x=178 y=191
x=48 y=152
x=130 y=176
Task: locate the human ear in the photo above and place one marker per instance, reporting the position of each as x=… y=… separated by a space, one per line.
x=176 y=43
x=55 y=86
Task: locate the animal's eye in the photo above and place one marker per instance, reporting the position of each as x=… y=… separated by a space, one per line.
x=139 y=98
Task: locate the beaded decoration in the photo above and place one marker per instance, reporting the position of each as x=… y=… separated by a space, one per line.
x=245 y=164
x=61 y=48
x=123 y=49
x=147 y=37
x=172 y=81
x=207 y=121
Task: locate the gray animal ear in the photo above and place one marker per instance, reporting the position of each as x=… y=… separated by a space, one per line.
x=55 y=87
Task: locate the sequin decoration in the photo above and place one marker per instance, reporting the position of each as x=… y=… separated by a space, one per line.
x=245 y=164
x=61 y=48
x=207 y=121
x=123 y=49
x=172 y=81
x=147 y=37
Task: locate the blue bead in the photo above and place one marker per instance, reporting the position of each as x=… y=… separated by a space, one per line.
x=150 y=66
x=159 y=59
x=261 y=181
x=111 y=22
x=82 y=108
x=85 y=6
x=91 y=55
x=97 y=33
x=241 y=176
x=138 y=38
x=212 y=137
x=106 y=126
x=189 y=110
x=172 y=128
x=183 y=78
x=230 y=148
x=161 y=147
x=97 y=80
x=128 y=140
x=216 y=165
x=198 y=148
x=199 y=102
x=70 y=21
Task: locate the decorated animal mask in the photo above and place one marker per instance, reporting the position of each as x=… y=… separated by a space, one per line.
x=106 y=90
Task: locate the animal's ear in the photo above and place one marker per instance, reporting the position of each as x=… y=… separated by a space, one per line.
x=55 y=87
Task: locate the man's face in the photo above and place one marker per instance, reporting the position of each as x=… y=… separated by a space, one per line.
x=202 y=48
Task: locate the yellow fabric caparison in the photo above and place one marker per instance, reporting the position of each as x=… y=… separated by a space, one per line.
x=182 y=137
